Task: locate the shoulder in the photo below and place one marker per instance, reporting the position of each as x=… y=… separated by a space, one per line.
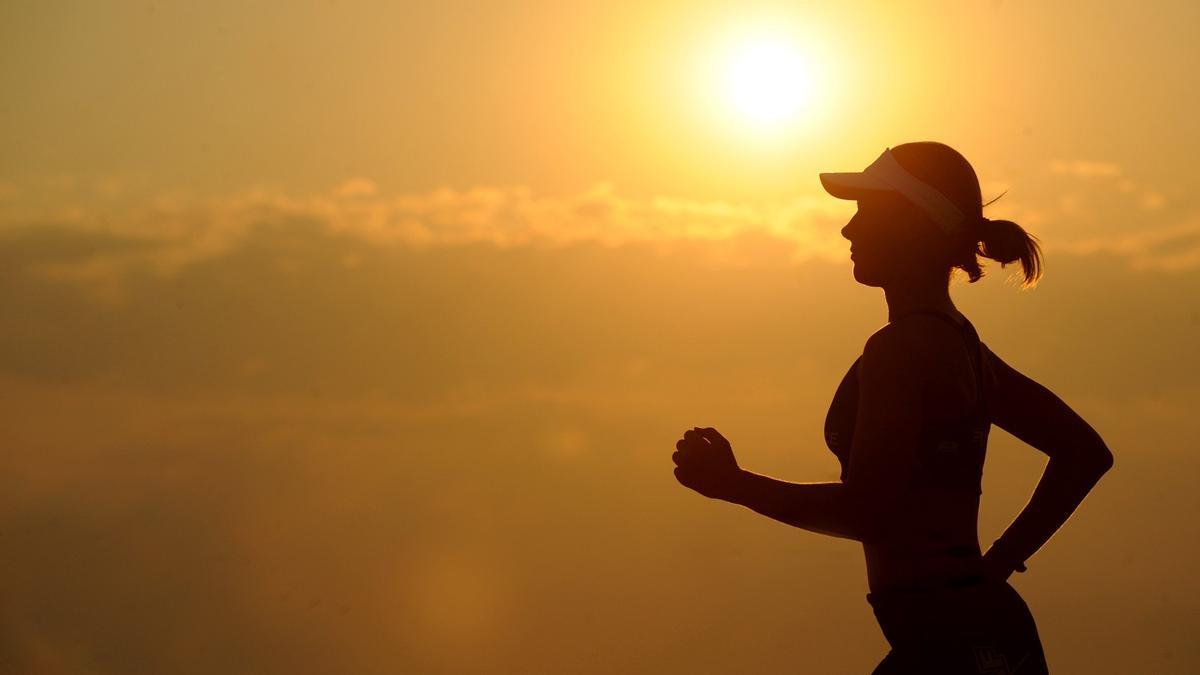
x=891 y=380
x=896 y=349
x=904 y=341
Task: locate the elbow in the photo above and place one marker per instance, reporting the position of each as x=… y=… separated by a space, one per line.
x=1098 y=454
x=1095 y=457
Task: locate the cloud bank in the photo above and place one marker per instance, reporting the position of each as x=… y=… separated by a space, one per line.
x=97 y=242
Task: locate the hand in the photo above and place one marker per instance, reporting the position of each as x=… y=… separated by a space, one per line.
x=704 y=462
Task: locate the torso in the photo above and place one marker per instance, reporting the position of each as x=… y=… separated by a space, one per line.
x=937 y=539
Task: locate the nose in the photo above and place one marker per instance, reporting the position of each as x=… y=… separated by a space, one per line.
x=853 y=227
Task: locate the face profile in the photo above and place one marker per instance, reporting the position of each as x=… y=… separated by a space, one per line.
x=891 y=241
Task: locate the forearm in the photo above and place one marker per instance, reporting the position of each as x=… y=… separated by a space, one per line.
x=824 y=508
x=1062 y=488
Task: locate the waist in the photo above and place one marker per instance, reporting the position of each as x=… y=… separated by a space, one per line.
x=923 y=588
x=922 y=565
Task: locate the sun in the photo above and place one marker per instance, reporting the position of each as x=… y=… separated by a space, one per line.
x=768 y=82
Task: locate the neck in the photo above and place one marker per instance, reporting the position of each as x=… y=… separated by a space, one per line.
x=912 y=295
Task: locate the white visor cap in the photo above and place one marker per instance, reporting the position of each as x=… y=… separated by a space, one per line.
x=886 y=174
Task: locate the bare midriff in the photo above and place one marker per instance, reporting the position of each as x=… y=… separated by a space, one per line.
x=935 y=540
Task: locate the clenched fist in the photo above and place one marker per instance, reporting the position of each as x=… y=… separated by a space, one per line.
x=704 y=462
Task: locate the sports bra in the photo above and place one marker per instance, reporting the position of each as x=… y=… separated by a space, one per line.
x=951 y=452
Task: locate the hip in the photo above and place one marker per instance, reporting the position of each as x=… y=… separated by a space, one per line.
x=969 y=626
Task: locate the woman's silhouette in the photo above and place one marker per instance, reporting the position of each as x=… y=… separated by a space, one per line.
x=909 y=424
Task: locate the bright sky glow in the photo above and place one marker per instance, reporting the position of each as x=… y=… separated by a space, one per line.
x=768 y=82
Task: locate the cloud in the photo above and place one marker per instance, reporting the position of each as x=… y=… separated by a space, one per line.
x=356 y=187
x=1073 y=205
x=172 y=231
x=1091 y=207
x=1174 y=248
x=1084 y=168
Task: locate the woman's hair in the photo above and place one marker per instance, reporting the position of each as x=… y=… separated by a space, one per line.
x=1001 y=240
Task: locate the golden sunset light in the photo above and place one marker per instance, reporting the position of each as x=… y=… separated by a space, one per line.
x=769 y=82
x=349 y=336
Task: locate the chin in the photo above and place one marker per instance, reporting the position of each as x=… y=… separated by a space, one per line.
x=864 y=277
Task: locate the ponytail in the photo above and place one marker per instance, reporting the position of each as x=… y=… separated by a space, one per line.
x=1007 y=242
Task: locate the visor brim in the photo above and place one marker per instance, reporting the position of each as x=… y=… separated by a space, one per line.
x=852 y=185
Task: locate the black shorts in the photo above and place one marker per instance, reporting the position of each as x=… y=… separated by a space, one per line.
x=978 y=628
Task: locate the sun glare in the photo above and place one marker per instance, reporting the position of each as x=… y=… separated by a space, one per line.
x=768 y=82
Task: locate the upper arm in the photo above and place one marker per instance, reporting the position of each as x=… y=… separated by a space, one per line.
x=1035 y=415
x=888 y=423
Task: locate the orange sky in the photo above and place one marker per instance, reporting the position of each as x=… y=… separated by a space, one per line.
x=356 y=337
